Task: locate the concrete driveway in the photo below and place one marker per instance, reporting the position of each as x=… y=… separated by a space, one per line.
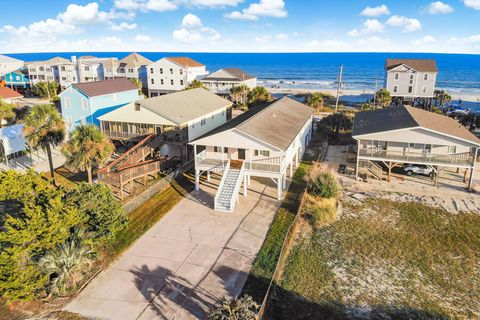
x=186 y=262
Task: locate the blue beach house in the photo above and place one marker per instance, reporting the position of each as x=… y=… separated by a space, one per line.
x=83 y=103
x=17 y=79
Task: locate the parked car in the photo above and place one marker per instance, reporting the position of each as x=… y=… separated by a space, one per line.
x=411 y=169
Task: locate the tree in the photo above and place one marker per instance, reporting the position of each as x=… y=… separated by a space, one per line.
x=136 y=82
x=259 y=95
x=243 y=308
x=87 y=148
x=442 y=97
x=6 y=111
x=314 y=100
x=38 y=220
x=104 y=215
x=63 y=265
x=383 y=97
x=470 y=120
x=194 y=85
x=337 y=122
x=44 y=128
x=47 y=89
x=239 y=95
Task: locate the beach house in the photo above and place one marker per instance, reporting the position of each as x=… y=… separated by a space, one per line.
x=223 y=80
x=17 y=79
x=9 y=95
x=172 y=74
x=57 y=69
x=133 y=66
x=8 y=64
x=408 y=135
x=268 y=141
x=411 y=80
x=83 y=103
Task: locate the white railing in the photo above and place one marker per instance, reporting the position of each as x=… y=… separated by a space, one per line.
x=222 y=182
x=202 y=155
x=234 y=198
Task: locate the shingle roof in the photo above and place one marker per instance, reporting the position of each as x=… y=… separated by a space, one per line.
x=395 y=118
x=277 y=123
x=237 y=73
x=7 y=93
x=185 y=61
x=184 y=106
x=420 y=65
x=99 y=88
x=7 y=59
x=135 y=60
x=52 y=61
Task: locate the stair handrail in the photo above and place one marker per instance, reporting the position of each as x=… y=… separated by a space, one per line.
x=222 y=182
x=236 y=190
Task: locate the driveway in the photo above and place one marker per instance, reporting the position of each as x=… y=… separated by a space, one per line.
x=186 y=262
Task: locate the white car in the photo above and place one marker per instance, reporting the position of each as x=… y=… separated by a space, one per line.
x=411 y=169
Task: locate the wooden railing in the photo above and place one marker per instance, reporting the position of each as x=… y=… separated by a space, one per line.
x=465 y=158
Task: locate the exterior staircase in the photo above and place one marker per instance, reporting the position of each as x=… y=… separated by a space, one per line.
x=372 y=169
x=227 y=194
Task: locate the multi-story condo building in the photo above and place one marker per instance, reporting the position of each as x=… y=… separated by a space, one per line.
x=93 y=68
x=9 y=64
x=57 y=69
x=223 y=80
x=132 y=66
x=173 y=74
x=411 y=80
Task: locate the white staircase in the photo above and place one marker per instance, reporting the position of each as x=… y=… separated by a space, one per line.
x=227 y=194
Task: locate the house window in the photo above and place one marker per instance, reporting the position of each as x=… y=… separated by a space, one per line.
x=64 y=78
x=62 y=68
x=17 y=78
x=264 y=153
x=171 y=71
x=181 y=82
x=152 y=81
x=66 y=102
x=203 y=122
x=395 y=88
x=130 y=70
x=411 y=145
x=213 y=116
x=425 y=77
x=181 y=71
x=428 y=148
x=225 y=150
x=217 y=149
x=161 y=70
x=424 y=89
x=161 y=81
x=411 y=77
x=151 y=70
x=396 y=76
x=84 y=104
x=171 y=82
x=452 y=149
x=87 y=68
x=410 y=89
x=137 y=106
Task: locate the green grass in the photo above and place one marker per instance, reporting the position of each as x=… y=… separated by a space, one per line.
x=266 y=260
x=145 y=216
x=384 y=259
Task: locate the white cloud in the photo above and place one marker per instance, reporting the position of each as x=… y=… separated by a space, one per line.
x=145 y=5
x=281 y=36
x=212 y=3
x=374 y=44
x=424 y=40
x=327 y=45
x=160 y=5
x=192 y=30
x=369 y=26
x=468 y=40
x=42 y=29
x=408 y=24
x=265 y=8
x=438 y=7
x=262 y=39
x=142 y=38
x=375 y=11
x=88 y=14
x=123 y=26
x=475 y=4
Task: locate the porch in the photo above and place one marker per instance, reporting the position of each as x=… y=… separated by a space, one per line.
x=126 y=131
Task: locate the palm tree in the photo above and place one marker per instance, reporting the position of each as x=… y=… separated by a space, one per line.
x=87 y=147
x=259 y=95
x=337 y=122
x=314 y=100
x=383 y=97
x=441 y=97
x=194 y=85
x=239 y=94
x=137 y=83
x=44 y=127
x=6 y=111
x=241 y=308
x=64 y=264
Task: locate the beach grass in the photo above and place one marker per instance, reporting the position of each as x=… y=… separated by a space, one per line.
x=383 y=259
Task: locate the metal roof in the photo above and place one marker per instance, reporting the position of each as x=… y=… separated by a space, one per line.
x=100 y=88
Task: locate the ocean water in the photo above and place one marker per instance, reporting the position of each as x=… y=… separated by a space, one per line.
x=458 y=73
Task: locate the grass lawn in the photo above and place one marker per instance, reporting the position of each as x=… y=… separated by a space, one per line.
x=266 y=260
x=383 y=259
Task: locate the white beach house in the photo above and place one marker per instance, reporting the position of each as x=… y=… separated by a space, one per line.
x=223 y=80
x=401 y=135
x=411 y=80
x=173 y=74
x=9 y=64
x=268 y=141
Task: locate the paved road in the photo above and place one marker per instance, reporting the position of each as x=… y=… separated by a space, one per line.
x=186 y=262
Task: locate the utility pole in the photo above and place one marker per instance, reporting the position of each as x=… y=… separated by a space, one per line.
x=339 y=87
x=375 y=93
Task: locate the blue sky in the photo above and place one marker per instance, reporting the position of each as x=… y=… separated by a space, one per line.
x=241 y=26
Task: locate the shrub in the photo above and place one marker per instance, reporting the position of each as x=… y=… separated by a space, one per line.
x=243 y=308
x=321 y=182
x=320 y=212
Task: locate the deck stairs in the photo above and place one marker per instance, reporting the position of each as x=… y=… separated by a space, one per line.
x=372 y=169
x=229 y=188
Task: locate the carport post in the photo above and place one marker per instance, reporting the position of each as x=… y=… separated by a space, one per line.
x=284 y=180
x=197 y=180
x=472 y=172
x=291 y=168
x=279 y=187
x=296 y=158
x=389 y=170
x=208 y=175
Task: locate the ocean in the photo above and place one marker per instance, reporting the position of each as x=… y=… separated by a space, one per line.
x=458 y=73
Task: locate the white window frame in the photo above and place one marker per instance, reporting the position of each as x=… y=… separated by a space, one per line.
x=395 y=88
x=84 y=104
x=66 y=101
x=425 y=77
x=397 y=75
x=424 y=89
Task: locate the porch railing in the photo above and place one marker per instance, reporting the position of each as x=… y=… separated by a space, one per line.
x=122 y=135
x=465 y=158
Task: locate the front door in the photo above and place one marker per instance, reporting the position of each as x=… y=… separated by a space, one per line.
x=241 y=154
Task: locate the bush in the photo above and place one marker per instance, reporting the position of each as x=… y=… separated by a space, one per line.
x=243 y=308
x=321 y=182
x=320 y=212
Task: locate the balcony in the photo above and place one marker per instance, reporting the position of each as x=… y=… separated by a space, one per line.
x=216 y=160
x=457 y=159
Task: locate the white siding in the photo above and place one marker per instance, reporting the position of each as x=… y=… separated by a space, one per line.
x=201 y=126
x=403 y=78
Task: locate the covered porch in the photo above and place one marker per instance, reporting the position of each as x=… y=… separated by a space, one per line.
x=128 y=130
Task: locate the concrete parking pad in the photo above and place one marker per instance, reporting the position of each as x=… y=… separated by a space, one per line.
x=186 y=262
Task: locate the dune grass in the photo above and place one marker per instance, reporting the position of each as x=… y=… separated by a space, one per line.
x=384 y=259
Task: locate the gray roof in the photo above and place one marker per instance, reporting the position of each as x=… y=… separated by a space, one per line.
x=277 y=123
x=420 y=65
x=184 y=106
x=100 y=88
x=237 y=73
x=394 y=118
x=135 y=60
